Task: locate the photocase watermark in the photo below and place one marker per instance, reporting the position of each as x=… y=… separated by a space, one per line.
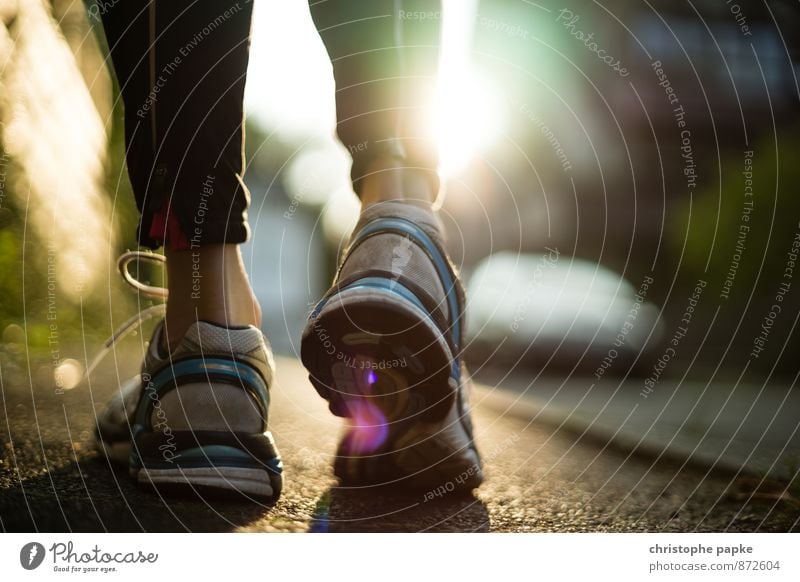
x=547 y=261
x=53 y=342
x=101 y=7
x=382 y=364
x=206 y=192
x=743 y=229
x=474 y=469
x=169 y=69
x=546 y=132
x=510 y=30
x=665 y=84
x=404 y=359
x=31 y=555
x=767 y=323
x=67 y=559
x=169 y=447
x=358 y=148
x=679 y=114
x=401 y=257
x=627 y=326
x=672 y=348
x=739 y=17
x=419 y=15
x=298 y=198
x=568 y=20
x=3 y=169
x=160 y=82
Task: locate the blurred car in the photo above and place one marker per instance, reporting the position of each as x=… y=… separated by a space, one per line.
x=556 y=312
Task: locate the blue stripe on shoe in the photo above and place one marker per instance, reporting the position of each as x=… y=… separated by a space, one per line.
x=391 y=286
x=387 y=285
x=403 y=226
x=381 y=283
x=213 y=456
x=198 y=366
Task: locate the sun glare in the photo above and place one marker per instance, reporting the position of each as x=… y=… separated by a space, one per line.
x=467 y=118
x=294 y=95
x=467 y=113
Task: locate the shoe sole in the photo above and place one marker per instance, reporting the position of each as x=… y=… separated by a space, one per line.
x=397 y=445
x=423 y=466
x=222 y=481
x=218 y=470
x=378 y=348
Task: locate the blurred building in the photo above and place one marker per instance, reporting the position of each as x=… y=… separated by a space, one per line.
x=620 y=120
x=591 y=160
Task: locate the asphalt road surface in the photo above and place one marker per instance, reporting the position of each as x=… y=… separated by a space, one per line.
x=538 y=479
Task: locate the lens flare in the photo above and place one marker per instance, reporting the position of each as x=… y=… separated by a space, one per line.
x=68 y=374
x=368 y=429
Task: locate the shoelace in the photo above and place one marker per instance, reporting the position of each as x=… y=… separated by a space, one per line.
x=137 y=320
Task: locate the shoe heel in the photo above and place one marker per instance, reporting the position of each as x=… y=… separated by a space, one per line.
x=375 y=346
x=212 y=462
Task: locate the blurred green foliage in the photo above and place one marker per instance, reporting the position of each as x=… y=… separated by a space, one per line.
x=723 y=241
x=772 y=223
x=40 y=324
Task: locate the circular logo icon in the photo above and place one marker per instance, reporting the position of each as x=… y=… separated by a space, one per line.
x=31 y=555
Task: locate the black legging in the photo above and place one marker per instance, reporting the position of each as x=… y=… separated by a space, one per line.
x=181 y=67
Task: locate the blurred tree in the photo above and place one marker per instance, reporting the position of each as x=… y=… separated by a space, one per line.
x=62 y=187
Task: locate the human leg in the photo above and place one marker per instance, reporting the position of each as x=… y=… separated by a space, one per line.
x=197 y=414
x=384 y=344
x=181 y=68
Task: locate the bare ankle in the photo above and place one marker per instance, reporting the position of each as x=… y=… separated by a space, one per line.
x=390 y=180
x=210 y=284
